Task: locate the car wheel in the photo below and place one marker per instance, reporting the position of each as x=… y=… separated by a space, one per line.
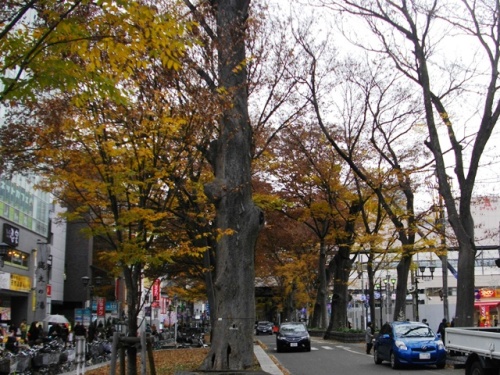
x=477 y=369
x=394 y=362
x=278 y=348
x=441 y=365
x=376 y=358
x=308 y=348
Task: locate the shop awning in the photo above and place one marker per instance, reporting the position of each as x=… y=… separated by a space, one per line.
x=486 y=303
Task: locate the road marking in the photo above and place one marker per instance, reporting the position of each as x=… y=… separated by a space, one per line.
x=327 y=347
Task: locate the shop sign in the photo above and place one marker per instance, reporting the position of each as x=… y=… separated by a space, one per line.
x=112 y=306
x=20 y=283
x=4 y=280
x=86 y=317
x=101 y=306
x=156 y=290
x=79 y=315
x=10 y=235
x=486 y=293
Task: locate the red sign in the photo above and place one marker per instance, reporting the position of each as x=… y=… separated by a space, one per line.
x=101 y=306
x=156 y=290
x=49 y=290
x=487 y=293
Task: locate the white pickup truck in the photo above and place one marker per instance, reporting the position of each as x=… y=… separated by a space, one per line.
x=480 y=345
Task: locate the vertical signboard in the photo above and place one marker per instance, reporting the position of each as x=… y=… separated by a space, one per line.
x=101 y=307
x=156 y=290
x=79 y=316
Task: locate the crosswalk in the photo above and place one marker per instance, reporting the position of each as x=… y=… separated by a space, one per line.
x=359 y=351
x=327 y=347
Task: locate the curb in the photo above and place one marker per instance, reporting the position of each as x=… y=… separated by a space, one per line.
x=266 y=363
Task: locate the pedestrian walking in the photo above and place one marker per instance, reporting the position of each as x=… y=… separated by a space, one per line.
x=441 y=328
x=369 y=337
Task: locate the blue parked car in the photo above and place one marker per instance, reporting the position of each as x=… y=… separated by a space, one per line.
x=409 y=343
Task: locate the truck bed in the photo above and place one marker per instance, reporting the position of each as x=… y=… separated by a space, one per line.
x=482 y=341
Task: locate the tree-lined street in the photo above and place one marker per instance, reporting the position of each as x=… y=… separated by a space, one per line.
x=210 y=144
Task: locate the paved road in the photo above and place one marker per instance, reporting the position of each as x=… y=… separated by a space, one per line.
x=330 y=357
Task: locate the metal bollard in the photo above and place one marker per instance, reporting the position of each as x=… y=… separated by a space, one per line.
x=80 y=355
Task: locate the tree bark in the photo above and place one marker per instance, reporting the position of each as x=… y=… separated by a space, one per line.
x=237 y=220
x=131 y=276
x=342 y=266
x=319 y=318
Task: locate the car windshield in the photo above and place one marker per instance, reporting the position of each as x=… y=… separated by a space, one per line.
x=264 y=323
x=295 y=328
x=408 y=330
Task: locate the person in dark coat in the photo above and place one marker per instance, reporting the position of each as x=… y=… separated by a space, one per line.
x=80 y=329
x=64 y=333
x=12 y=345
x=33 y=334
x=441 y=328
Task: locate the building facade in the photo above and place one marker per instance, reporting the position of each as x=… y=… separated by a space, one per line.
x=32 y=275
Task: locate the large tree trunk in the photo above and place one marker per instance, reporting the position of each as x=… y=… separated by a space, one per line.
x=463 y=227
x=237 y=218
x=319 y=318
x=343 y=266
x=403 y=270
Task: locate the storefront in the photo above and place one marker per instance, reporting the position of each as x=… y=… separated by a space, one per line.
x=15 y=290
x=487 y=307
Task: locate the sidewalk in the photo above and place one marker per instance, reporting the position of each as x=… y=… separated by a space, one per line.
x=266 y=364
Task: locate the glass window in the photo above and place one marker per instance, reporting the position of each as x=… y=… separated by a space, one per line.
x=17 y=258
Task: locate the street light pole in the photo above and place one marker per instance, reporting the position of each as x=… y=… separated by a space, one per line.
x=417 y=318
x=379 y=287
x=89 y=290
x=85 y=282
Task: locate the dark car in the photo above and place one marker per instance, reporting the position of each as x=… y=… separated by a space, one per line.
x=264 y=327
x=409 y=343
x=293 y=336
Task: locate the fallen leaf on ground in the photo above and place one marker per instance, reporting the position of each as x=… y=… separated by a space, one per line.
x=166 y=361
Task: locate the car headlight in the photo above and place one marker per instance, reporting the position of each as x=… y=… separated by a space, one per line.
x=400 y=345
x=440 y=345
